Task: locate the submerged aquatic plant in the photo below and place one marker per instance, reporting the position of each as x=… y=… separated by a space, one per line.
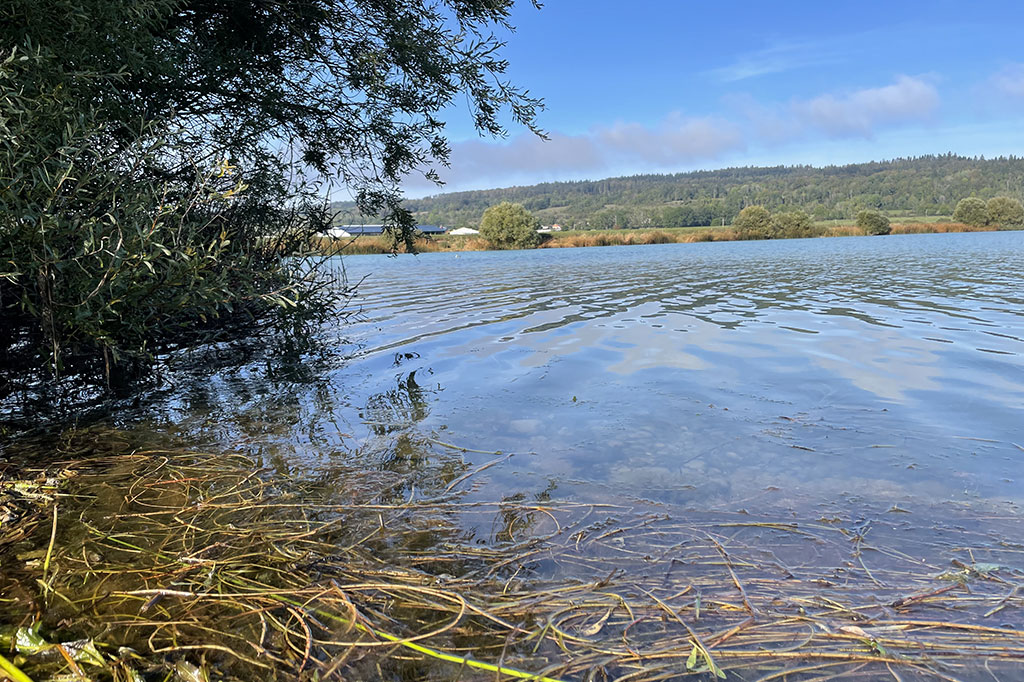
x=168 y=563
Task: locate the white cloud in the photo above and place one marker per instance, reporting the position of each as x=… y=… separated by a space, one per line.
x=783 y=57
x=769 y=124
x=860 y=112
x=619 y=148
x=856 y=113
x=1010 y=81
x=677 y=140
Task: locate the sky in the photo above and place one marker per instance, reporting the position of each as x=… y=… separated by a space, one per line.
x=664 y=86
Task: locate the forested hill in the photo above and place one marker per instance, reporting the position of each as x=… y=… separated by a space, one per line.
x=924 y=186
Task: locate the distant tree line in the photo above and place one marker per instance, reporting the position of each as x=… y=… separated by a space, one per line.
x=923 y=186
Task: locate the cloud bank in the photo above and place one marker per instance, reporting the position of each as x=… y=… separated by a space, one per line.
x=527 y=158
x=678 y=141
x=862 y=111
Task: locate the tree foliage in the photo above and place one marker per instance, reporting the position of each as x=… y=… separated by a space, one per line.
x=873 y=223
x=1004 y=212
x=793 y=225
x=753 y=222
x=510 y=226
x=160 y=160
x=971 y=211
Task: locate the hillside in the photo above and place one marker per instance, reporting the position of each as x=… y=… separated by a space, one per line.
x=924 y=186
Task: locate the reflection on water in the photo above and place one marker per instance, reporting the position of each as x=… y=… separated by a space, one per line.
x=718 y=375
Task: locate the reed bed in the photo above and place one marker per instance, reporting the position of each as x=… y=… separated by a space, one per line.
x=366 y=244
x=166 y=564
x=843 y=231
x=939 y=228
x=638 y=237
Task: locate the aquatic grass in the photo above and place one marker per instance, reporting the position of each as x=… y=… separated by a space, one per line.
x=178 y=563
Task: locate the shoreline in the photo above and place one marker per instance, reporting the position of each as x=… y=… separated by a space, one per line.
x=365 y=245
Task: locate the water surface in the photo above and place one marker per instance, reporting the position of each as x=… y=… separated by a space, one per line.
x=718 y=375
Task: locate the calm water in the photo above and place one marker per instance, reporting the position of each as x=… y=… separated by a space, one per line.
x=758 y=375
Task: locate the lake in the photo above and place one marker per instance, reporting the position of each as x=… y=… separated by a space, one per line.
x=855 y=375
x=802 y=456
x=717 y=375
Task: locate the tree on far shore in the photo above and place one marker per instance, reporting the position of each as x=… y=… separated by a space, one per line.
x=793 y=225
x=971 y=211
x=1005 y=212
x=510 y=226
x=753 y=222
x=873 y=223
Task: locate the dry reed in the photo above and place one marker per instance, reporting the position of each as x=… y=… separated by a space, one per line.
x=938 y=228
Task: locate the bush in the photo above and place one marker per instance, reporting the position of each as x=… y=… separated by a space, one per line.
x=971 y=211
x=753 y=222
x=1004 y=211
x=105 y=266
x=793 y=225
x=509 y=226
x=873 y=223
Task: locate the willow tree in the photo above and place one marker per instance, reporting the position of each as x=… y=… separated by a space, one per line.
x=753 y=222
x=510 y=226
x=159 y=159
x=971 y=211
x=1004 y=212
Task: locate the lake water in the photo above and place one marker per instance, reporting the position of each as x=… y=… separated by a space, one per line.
x=719 y=375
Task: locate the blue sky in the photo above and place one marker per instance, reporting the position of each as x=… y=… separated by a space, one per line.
x=666 y=86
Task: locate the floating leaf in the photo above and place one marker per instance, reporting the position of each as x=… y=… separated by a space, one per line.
x=592 y=630
x=84 y=651
x=28 y=641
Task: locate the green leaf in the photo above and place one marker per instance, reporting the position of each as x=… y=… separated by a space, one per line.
x=691 y=661
x=28 y=641
x=85 y=651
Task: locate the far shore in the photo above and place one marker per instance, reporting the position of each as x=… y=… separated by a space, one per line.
x=624 y=237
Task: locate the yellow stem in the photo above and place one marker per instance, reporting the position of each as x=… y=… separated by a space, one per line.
x=12 y=671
